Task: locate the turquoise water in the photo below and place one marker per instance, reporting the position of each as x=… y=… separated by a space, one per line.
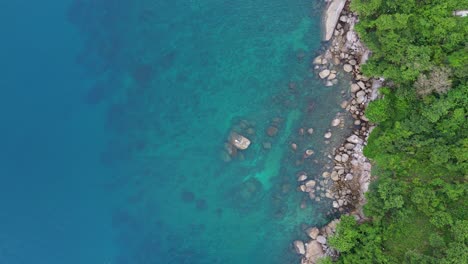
x=136 y=117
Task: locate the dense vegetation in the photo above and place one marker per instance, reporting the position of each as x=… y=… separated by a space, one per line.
x=417 y=205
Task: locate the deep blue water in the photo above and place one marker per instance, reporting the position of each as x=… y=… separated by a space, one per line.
x=114 y=118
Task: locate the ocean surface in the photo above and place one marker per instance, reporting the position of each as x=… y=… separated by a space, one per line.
x=115 y=118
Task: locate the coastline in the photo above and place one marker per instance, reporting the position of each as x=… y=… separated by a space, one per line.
x=351 y=174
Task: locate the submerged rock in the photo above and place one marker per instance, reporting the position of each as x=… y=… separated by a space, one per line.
x=187 y=196
x=272 y=131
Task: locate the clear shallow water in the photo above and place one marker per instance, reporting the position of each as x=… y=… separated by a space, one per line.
x=131 y=151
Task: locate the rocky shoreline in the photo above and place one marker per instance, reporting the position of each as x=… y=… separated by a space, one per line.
x=350 y=175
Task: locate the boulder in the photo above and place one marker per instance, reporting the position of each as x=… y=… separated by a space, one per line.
x=314 y=251
x=354 y=139
x=334 y=176
x=317 y=60
x=335 y=122
x=324 y=74
x=348 y=68
x=349 y=146
x=344 y=158
x=355 y=88
x=302 y=177
x=338 y=158
x=361 y=99
x=322 y=240
x=361 y=84
x=239 y=141
x=299 y=247
x=328 y=135
x=332 y=14
x=293 y=146
x=331 y=76
x=312 y=232
x=310 y=183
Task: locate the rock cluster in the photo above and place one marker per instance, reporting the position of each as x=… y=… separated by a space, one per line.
x=350 y=176
x=317 y=247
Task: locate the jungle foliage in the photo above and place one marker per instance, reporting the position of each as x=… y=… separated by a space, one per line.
x=419 y=150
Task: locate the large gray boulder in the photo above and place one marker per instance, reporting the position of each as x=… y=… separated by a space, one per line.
x=332 y=14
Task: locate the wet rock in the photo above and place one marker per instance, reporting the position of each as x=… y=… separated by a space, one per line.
x=302 y=177
x=331 y=76
x=336 y=122
x=344 y=104
x=324 y=74
x=303 y=188
x=321 y=239
x=310 y=183
x=272 y=131
x=335 y=204
x=347 y=68
x=317 y=60
x=239 y=141
x=310 y=131
x=309 y=152
x=328 y=135
x=301 y=131
x=294 y=146
x=299 y=247
x=312 y=232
